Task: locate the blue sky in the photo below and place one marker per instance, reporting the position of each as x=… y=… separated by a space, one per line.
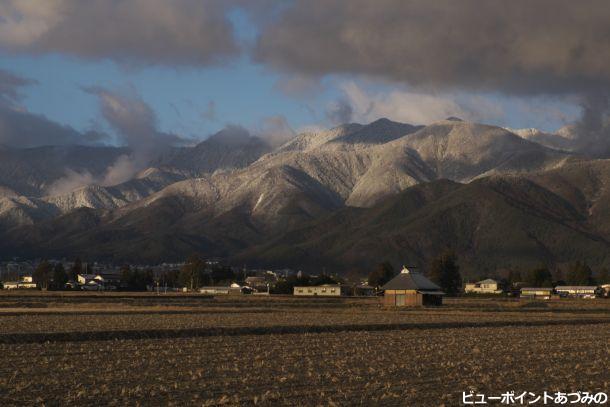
x=242 y=92
x=246 y=93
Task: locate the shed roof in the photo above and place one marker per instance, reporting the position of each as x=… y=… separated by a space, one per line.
x=410 y=280
x=430 y=292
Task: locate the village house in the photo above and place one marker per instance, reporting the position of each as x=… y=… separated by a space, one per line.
x=579 y=291
x=26 y=282
x=487 y=286
x=234 y=289
x=83 y=279
x=259 y=284
x=108 y=279
x=537 y=293
x=325 y=290
x=606 y=290
x=411 y=289
x=98 y=281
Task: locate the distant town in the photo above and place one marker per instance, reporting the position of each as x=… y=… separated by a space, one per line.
x=196 y=275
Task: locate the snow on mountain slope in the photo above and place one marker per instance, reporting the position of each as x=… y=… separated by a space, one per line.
x=562 y=140
x=17 y=211
x=462 y=151
x=347 y=170
x=354 y=165
x=309 y=141
x=112 y=197
x=226 y=150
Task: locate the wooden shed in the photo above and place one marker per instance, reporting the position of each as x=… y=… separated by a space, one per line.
x=411 y=289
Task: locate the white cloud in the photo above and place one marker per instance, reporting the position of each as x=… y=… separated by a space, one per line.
x=71 y=181
x=401 y=105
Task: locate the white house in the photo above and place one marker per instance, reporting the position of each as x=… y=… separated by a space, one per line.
x=488 y=286
x=83 y=279
x=25 y=282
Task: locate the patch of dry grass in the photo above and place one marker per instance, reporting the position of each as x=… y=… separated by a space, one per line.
x=418 y=357
x=401 y=367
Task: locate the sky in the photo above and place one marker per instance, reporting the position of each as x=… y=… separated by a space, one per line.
x=103 y=71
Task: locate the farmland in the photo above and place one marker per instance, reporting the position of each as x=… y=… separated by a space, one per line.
x=118 y=350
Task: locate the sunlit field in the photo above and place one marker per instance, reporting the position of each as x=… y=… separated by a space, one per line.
x=128 y=349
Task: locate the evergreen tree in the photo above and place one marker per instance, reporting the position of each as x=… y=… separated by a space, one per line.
x=285 y=286
x=579 y=273
x=42 y=274
x=76 y=269
x=603 y=277
x=383 y=273
x=445 y=272
x=136 y=280
x=60 y=277
x=514 y=276
x=540 y=277
x=220 y=275
x=126 y=276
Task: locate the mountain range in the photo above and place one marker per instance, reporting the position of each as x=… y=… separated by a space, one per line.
x=345 y=199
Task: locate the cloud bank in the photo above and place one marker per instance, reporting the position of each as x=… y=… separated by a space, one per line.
x=188 y=32
x=556 y=48
x=438 y=49
x=515 y=47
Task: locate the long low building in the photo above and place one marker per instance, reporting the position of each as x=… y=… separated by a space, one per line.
x=26 y=282
x=234 y=289
x=579 y=291
x=542 y=293
x=325 y=290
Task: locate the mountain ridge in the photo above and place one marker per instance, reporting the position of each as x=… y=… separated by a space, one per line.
x=334 y=179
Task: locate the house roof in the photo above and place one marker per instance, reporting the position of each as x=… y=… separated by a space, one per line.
x=537 y=289
x=487 y=281
x=410 y=280
x=576 y=287
x=109 y=274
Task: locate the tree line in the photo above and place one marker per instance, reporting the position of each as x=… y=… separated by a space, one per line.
x=577 y=273
x=445 y=272
x=197 y=273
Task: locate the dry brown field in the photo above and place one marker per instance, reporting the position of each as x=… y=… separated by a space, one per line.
x=124 y=349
